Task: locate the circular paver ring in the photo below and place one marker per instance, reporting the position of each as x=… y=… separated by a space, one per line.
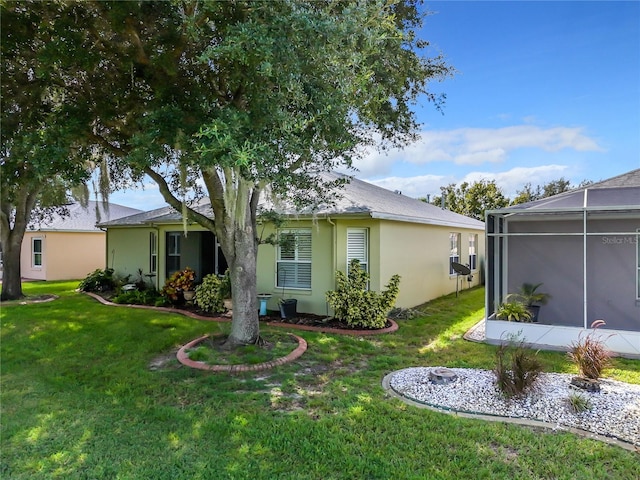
x=184 y=359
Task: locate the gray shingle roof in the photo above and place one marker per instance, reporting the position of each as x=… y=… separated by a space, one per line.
x=357 y=198
x=621 y=191
x=82 y=219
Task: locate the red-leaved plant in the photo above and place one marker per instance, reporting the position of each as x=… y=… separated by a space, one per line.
x=590 y=354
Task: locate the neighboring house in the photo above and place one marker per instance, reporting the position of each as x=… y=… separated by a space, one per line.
x=70 y=246
x=388 y=232
x=583 y=246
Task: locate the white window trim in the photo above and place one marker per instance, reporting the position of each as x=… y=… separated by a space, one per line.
x=454 y=257
x=173 y=253
x=473 y=267
x=364 y=261
x=296 y=259
x=153 y=252
x=34 y=253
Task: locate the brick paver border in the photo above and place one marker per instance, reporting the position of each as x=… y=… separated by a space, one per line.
x=185 y=360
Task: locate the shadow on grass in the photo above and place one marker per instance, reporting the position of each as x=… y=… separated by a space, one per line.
x=79 y=401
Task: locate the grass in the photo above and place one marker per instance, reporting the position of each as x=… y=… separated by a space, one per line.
x=79 y=400
x=212 y=351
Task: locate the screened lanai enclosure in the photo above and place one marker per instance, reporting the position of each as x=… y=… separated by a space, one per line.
x=583 y=246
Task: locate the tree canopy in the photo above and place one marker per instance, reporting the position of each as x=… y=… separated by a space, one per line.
x=235 y=99
x=472 y=200
x=41 y=157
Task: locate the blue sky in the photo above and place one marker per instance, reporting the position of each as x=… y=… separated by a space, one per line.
x=543 y=90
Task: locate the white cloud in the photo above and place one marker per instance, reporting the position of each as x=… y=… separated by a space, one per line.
x=510 y=181
x=477 y=146
x=415 y=187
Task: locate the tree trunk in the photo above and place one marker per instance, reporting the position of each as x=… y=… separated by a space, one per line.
x=11 y=275
x=245 y=327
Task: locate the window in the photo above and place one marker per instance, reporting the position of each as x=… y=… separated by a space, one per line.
x=173 y=252
x=153 y=252
x=294 y=258
x=454 y=251
x=358 y=247
x=473 y=255
x=36 y=252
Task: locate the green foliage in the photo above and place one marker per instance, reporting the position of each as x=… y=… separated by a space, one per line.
x=590 y=354
x=578 y=402
x=177 y=283
x=513 y=311
x=210 y=294
x=529 y=295
x=516 y=369
x=98 y=281
x=472 y=200
x=138 y=297
x=357 y=306
x=277 y=93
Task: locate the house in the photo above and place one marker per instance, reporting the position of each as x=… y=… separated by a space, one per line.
x=67 y=247
x=388 y=232
x=583 y=247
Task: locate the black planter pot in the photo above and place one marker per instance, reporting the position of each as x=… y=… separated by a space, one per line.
x=535 y=311
x=288 y=308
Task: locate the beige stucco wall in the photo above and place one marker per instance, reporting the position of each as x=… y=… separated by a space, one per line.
x=127 y=250
x=322 y=268
x=418 y=253
x=65 y=255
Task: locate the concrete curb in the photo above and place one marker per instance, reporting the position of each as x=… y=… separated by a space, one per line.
x=386 y=385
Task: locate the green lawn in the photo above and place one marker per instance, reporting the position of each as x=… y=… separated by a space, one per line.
x=78 y=400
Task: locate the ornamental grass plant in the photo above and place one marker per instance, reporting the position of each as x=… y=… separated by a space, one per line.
x=590 y=354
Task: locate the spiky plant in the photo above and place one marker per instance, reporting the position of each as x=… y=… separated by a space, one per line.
x=590 y=354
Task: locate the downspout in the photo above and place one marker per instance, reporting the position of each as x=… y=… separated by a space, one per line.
x=334 y=253
x=106 y=244
x=157 y=280
x=584 y=258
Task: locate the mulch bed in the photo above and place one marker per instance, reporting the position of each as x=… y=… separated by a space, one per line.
x=302 y=321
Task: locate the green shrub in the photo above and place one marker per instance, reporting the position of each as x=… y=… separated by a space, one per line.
x=209 y=294
x=98 y=281
x=517 y=368
x=357 y=306
x=590 y=354
x=138 y=297
x=513 y=311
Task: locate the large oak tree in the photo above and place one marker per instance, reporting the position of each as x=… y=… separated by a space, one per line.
x=239 y=99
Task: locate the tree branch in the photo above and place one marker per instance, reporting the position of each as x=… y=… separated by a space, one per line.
x=172 y=200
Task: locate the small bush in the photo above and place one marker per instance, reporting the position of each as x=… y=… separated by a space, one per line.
x=578 y=403
x=590 y=355
x=138 y=297
x=513 y=311
x=517 y=368
x=177 y=283
x=98 y=281
x=209 y=294
x=357 y=306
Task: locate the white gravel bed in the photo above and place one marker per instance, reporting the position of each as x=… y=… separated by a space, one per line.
x=615 y=410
